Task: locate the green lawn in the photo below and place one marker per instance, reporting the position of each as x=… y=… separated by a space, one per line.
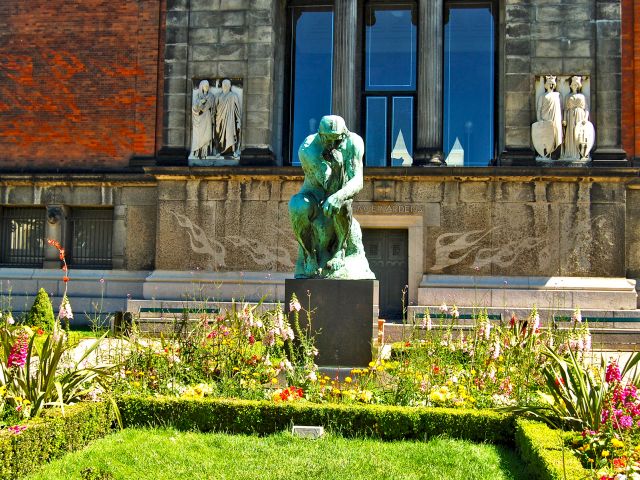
x=158 y=454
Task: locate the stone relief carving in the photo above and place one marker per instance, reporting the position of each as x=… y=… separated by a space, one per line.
x=562 y=115
x=453 y=248
x=262 y=254
x=216 y=121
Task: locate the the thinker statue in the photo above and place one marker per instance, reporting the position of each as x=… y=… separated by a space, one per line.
x=329 y=238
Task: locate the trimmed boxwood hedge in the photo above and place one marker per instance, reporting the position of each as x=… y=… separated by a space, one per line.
x=540 y=447
x=264 y=417
x=51 y=436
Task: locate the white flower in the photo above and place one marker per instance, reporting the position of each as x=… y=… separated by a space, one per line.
x=444 y=308
x=454 y=312
x=10 y=319
x=577 y=316
x=487 y=329
x=536 y=322
x=65 y=309
x=294 y=305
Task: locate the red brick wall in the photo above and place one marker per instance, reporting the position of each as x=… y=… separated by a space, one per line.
x=631 y=77
x=78 y=82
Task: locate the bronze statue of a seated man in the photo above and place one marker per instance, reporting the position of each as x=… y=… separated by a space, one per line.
x=329 y=238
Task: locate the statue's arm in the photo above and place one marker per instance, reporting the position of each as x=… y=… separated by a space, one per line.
x=356 y=180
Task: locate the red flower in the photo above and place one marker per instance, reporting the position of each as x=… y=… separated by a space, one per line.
x=65 y=279
x=40 y=331
x=559 y=381
x=436 y=369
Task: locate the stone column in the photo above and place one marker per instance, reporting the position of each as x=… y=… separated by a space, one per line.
x=430 y=79
x=345 y=43
x=607 y=121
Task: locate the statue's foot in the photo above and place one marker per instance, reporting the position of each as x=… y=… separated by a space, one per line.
x=337 y=262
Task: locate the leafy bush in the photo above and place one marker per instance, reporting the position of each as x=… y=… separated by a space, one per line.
x=41 y=313
x=263 y=417
x=51 y=436
x=542 y=449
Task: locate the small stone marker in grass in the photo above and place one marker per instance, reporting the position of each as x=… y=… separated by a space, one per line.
x=307 y=432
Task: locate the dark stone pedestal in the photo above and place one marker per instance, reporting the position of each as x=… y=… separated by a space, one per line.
x=343 y=312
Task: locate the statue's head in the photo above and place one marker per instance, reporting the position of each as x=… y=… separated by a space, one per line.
x=226 y=85
x=550 y=82
x=203 y=86
x=576 y=83
x=332 y=130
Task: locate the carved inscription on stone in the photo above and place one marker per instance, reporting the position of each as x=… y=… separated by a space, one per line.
x=387 y=208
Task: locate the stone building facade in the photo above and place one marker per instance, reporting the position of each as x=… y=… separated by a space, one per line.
x=96 y=136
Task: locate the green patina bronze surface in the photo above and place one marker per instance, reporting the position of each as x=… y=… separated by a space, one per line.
x=329 y=238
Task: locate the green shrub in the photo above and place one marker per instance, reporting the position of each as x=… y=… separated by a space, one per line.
x=541 y=448
x=52 y=435
x=264 y=417
x=41 y=313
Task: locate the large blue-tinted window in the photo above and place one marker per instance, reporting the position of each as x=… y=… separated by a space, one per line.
x=469 y=77
x=311 y=72
x=389 y=82
x=391 y=48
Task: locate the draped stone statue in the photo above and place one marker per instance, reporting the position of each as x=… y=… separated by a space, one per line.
x=329 y=238
x=228 y=111
x=579 y=133
x=202 y=121
x=546 y=133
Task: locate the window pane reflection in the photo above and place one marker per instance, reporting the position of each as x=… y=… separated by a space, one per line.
x=312 y=58
x=391 y=47
x=402 y=132
x=375 y=149
x=468 y=83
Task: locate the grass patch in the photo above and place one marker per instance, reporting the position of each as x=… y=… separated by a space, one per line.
x=157 y=454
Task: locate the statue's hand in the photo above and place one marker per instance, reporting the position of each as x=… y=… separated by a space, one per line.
x=331 y=206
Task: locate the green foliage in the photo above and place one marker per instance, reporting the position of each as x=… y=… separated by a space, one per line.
x=575 y=394
x=30 y=384
x=41 y=313
x=377 y=421
x=542 y=449
x=51 y=436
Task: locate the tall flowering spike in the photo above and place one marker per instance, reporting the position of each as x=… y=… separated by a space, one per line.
x=18 y=353
x=65 y=309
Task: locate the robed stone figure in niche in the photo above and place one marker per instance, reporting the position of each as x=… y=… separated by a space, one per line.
x=329 y=238
x=202 y=112
x=228 y=111
x=579 y=133
x=546 y=133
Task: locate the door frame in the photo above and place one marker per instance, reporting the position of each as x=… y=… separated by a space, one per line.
x=414 y=224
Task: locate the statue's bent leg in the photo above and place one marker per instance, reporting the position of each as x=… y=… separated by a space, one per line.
x=303 y=209
x=342 y=224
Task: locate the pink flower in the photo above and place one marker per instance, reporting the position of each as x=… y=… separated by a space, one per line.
x=17 y=429
x=626 y=421
x=294 y=305
x=65 y=309
x=18 y=354
x=613 y=373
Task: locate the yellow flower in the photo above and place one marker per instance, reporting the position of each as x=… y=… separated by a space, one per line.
x=274 y=380
x=605 y=453
x=335 y=391
x=347 y=379
x=372 y=364
x=136 y=384
x=617 y=443
x=366 y=396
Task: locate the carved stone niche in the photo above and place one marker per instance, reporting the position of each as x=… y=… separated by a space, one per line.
x=216 y=121
x=562 y=133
